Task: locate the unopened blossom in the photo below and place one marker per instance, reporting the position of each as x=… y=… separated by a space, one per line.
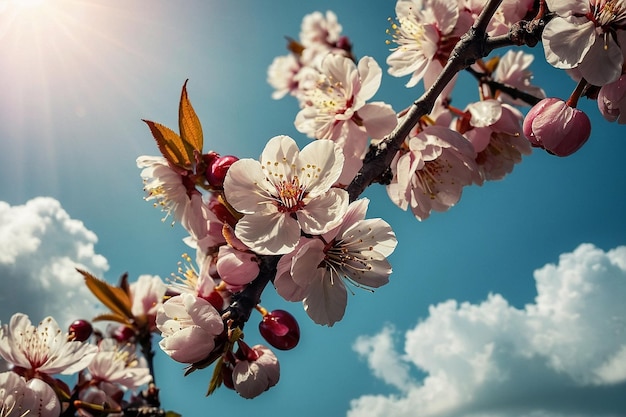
x=19 y=398
x=236 y=267
x=287 y=192
x=355 y=252
x=495 y=131
x=425 y=33
x=431 y=172
x=513 y=70
x=147 y=294
x=257 y=373
x=612 y=100
x=587 y=35
x=43 y=349
x=340 y=97
x=556 y=127
x=189 y=326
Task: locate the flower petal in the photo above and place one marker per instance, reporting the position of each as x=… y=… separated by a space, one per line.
x=274 y=234
x=323 y=213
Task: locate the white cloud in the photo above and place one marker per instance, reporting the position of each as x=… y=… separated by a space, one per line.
x=563 y=355
x=40 y=247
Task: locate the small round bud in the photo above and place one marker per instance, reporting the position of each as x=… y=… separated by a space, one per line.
x=123 y=334
x=280 y=329
x=216 y=172
x=80 y=330
x=556 y=127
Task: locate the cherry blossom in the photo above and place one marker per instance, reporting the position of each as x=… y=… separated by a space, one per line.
x=169 y=190
x=285 y=193
x=257 y=372
x=43 y=349
x=147 y=294
x=495 y=131
x=513 y=70
x=425 y=32
x=587 y=35
x=189 y=326
x=19 y=398
x=612 y=100
x=355 y=252
x=118 y=364
x=431 y=173
x=340 y=97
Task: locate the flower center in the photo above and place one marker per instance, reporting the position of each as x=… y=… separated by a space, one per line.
x=329 y=97
x=290 y=195
x=606 y=12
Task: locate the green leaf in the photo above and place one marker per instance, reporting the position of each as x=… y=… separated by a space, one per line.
x=189 y=124
x=115 y=298
x=216 y=379
x=171 y=145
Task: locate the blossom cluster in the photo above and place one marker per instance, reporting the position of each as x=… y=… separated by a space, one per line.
x=291 y=219
x=35 y=355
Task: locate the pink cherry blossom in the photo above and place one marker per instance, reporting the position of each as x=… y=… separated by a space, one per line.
x=167 y=188
x=256 y=374
x=189 y=326
x=587 y=35
x=425 y=32
x=513 y=70
x=555 y=126
x=43 y=349
x=495 y=131
x=431 y=173
x=318 y=28
x=612 y=100
x=236 y=267
x=147 y=294
x=118 y=364
x=281 y=75
x=287 y=192
x=317 y=271
x=340 y=97
x=509 y=12
x=19 y=398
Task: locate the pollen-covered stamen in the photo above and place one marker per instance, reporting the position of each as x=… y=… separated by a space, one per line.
x=289 y=195
x=604 y=13
x=330 y=97
x=430 y=176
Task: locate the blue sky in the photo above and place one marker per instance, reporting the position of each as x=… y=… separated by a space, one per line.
x=466 y=326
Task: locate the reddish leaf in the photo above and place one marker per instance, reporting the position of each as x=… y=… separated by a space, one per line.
x=189 y=124
x=115 y=298
x=171 y=145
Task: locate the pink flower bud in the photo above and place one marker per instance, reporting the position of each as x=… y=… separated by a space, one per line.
x=555 y=126
x=256 y=373
x=280 y=329
x=612 y=100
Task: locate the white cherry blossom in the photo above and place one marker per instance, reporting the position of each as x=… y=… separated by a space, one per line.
x=287 y=192
x=513 y=70
x=42 y=349
x=587 y=35
x=20 y=398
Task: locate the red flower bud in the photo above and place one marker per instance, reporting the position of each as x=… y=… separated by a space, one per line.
x=80 y=330
x=280 y=329
x=216 y=172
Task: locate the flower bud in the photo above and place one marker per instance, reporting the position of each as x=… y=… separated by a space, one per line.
x=256 y=373
x=612 y=100
x=216 y=172
x=556 y=127
x=280 y=329
x=80 y=330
